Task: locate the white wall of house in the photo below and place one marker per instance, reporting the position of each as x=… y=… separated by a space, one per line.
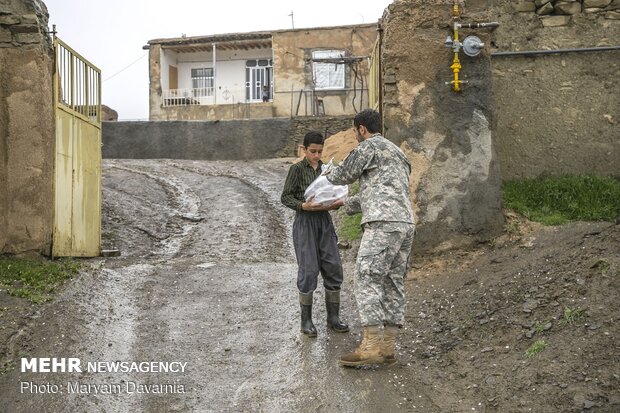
x=230 y=82
x=229 y=73
x=167 y=59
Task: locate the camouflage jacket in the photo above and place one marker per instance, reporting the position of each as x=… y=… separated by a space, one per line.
x=383 y=171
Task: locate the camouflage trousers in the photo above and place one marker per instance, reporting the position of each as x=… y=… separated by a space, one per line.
x=380 y=270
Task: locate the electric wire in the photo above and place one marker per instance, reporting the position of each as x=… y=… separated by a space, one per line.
x=126 y=67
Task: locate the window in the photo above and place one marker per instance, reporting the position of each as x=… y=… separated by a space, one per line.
x=328 y=75
x=202 y=81
x=258 y=76
x=259 y=62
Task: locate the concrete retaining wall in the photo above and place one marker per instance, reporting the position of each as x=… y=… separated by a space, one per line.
x=213 y=140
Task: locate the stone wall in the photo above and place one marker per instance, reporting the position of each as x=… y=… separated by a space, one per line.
x=556 y=114
x=558 y=12
x=208 y=140
x=26 y=128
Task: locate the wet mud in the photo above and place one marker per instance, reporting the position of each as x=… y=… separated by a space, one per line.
x=206 y=277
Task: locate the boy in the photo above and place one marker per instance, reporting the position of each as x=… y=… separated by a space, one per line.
x=265 y=94
x=314 y=238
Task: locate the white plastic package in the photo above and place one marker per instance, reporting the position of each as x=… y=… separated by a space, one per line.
x=323 y=191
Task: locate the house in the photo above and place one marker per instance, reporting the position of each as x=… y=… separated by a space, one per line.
x=282 y=73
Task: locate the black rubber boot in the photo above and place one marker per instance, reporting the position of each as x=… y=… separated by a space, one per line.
x=307 y=327
x=332 y=304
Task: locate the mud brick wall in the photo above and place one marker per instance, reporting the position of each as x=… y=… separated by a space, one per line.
x=26 y=128
x=448 y=136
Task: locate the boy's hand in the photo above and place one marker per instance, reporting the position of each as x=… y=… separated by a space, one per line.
x=312 y=206
x=309 y=205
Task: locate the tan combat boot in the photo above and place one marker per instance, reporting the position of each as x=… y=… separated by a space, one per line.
x=369 y=351
x=390 y=332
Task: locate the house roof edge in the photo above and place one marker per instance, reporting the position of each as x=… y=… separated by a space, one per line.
x=244 y=35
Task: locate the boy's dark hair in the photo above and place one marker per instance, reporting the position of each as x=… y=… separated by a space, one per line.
x=369 y=118
x=313 y=137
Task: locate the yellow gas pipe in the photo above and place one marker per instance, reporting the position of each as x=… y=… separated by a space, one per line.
x=456 y=63
x=471 y=45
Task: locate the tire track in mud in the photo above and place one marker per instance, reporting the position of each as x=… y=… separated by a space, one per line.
x=264 y=214
x=127 y=286
x=108 y=311
x=178 y=313
x=185 y=205
x=259 y=234
x=112 y=335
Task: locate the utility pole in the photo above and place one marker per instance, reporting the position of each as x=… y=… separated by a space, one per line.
x=292 y=21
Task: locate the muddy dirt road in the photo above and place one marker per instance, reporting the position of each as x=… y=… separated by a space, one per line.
x=206 y=278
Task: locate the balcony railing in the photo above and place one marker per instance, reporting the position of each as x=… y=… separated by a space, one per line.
x=184 y=97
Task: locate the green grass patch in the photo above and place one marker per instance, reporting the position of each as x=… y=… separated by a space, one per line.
x=539 y=327
x=603 y=266
x=350 y=228
x=35 y=279
x=558 y=200
x=572 y=315
x=354 y=188
x=537 y=347
x=511 y=227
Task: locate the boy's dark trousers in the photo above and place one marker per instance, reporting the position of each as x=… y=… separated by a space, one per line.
x=316 y=248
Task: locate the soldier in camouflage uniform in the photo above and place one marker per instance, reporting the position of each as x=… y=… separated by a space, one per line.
x=387 y=220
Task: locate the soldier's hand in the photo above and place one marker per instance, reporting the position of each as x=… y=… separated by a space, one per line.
x=337 y=204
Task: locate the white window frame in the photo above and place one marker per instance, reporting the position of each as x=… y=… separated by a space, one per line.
x=202 y=81
x=328 y=75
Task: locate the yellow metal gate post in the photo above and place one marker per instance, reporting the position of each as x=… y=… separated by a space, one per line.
x=77 y=181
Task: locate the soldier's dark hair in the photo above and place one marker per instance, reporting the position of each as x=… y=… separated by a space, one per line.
x=369 y=118
x=313 y=137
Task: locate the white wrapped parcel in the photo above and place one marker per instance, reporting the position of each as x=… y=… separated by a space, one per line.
x=324 y=192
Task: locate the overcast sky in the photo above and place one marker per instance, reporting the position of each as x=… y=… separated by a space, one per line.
x=111 y=34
